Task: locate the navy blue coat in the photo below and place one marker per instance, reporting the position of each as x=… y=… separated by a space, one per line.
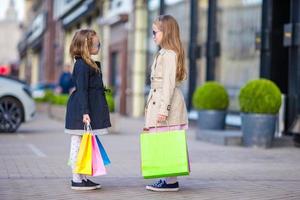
x=88 y=98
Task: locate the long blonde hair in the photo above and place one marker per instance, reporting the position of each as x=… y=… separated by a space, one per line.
x=171 y=40
x=80 y=45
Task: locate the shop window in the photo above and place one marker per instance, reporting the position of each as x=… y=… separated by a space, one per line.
x=238 y=23
x=119 y=4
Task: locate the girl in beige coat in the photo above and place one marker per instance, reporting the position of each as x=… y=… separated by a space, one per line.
x=165 y=107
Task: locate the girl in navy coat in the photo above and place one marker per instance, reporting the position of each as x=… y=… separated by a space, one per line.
x=87 y=104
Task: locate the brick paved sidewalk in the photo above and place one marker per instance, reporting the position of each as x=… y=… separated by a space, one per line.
x=33 y=166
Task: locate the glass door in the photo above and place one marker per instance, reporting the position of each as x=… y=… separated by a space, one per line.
x=238 y=21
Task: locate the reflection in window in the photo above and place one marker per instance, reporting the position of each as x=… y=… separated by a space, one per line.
x=238 y=23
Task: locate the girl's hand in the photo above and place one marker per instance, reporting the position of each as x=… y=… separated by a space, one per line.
x=161 y=118
x=86 y=119
x=72 y=90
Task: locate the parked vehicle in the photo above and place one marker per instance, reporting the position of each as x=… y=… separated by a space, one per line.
x=16 y=104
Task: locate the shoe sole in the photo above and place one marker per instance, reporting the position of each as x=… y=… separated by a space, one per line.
x=98 y=187
x=84 y=188
x=162 y=189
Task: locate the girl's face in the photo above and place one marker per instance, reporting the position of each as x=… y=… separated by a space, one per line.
x=157 y=34
x=94 y=49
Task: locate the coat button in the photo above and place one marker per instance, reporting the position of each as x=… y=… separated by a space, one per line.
x=152 y=78
x=153 y=102
x=154 y=90
x=169 y=107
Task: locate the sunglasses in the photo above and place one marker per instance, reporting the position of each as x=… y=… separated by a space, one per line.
x=154 y=32
x=97 y=46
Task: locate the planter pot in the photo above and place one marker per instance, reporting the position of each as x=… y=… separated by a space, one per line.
x=258 y=129
x=114 y=120
x=42 y=107
x=296 y=139
x=57 y=112
x=211 y=119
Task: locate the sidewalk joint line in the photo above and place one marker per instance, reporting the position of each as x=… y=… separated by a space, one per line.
x=36 y=150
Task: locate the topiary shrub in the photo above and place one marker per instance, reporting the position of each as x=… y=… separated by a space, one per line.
x=260 y=96
x=210 y=96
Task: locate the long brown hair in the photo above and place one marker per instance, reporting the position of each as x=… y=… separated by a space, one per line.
x=171 y=40
x=80 y=45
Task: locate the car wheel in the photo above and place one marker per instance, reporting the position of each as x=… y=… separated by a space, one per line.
x=11 y=114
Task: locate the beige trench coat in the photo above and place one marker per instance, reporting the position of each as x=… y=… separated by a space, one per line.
x=165 y=96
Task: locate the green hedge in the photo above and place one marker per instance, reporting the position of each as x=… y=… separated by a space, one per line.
x=260 y=96
x=110 y=101
x=62 y=99
x=51 y=97
x=210 y=96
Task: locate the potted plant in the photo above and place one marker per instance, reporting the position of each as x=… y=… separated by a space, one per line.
x=211 y=100
x=259 y=101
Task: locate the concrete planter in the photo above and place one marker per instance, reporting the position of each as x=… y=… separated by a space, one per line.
x=258 y=130
x=57 y=112
x=115 y=122
x=42 y=107
x=296 y=138
x=211 y=119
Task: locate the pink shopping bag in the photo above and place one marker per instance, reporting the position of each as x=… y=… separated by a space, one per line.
x=98 y=167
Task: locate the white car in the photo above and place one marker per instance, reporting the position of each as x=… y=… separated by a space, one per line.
x=16 y=104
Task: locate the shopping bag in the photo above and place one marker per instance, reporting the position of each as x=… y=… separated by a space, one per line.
x=188 y=157
x=84 y=158
x=104 y=155
x=164 y=154
x=98 y=167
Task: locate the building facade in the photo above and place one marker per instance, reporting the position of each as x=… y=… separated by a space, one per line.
x=36 y=47
x=125 y=28
x=10 y=33
x=71 y=16
x=234 y=41
x=230 y=41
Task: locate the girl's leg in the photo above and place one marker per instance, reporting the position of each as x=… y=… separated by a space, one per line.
x=78 y=178
x=169 y=184
x=75 y=144
x=171 y=180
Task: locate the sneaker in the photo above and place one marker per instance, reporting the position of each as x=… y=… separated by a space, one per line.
x=91 y=183
x=162 y=186
x=82 y=186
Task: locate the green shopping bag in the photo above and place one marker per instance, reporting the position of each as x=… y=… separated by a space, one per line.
x=164 y=154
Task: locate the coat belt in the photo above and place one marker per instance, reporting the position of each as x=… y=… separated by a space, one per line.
x=157 y=85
